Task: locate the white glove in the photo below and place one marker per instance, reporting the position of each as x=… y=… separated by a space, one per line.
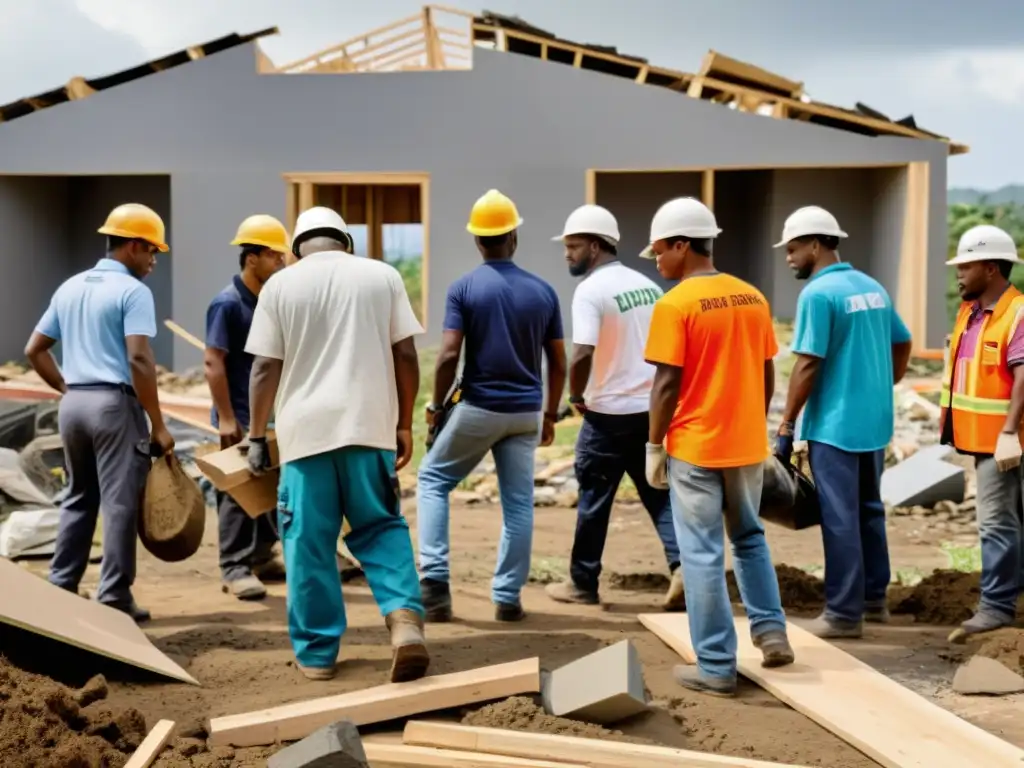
x=656 y=471
x=1008 y=451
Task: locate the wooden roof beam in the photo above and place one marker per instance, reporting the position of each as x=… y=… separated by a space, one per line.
x=316 y=58
x=723 y=67
x=77 y=88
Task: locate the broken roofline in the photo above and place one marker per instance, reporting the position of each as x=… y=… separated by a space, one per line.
x=418 y=42
x=426 y=45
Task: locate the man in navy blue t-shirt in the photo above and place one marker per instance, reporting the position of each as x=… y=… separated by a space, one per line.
x=509 y=320
x=246 y=544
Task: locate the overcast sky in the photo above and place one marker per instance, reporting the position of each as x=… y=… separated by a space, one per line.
x=958 y=67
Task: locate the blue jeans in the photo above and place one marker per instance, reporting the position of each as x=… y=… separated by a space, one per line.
x=852 y=529
x=607 y=448
x=706 y=503
x=468 y=434
x=1002 y=537
x=315 y=493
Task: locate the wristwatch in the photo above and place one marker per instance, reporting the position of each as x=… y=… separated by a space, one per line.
x=576 y=399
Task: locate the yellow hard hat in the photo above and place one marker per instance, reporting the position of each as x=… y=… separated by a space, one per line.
x=493 y=214
x=264 y=230
x=136 y=222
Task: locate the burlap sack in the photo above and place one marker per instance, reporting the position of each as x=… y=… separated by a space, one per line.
x=173 y=516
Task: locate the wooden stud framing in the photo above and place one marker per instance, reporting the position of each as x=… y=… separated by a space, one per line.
x=707 y=188
x=912 y=293
x=301 y=194
x=77 y=88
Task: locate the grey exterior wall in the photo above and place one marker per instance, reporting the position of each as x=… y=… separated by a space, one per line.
x=52 y=223
x=532 y=128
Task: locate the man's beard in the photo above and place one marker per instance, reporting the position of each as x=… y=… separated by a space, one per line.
x=580 y=267
x=803 y=272
x=970 y=295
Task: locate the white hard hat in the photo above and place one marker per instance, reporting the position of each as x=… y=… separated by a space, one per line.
x=681 y=217
x=591 y=220
x=809 y=220
x=985 y=242
x=319 y=218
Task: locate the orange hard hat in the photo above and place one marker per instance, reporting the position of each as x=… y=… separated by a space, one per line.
x=263 y=230
x=136 y=222
x=493 y=214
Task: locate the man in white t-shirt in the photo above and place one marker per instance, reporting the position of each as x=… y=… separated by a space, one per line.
x=610 y=384
x=333 y=337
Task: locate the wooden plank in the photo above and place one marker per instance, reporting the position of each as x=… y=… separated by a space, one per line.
x=715 y=64
x=707 y=188
x=596 y=753
x=405 y=755
x=912 y=290
x=887 y=722
x=391 y=701
x=151 y=747
x=35 y=605
x=180 y=332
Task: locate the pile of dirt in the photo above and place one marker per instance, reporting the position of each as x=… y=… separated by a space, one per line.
x=801 y=592
x=946 y=598
x=1004 y=645
x=521 y=713
x=44 y=723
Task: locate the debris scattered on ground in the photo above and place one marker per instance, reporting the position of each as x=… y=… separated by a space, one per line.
x=945 y=598
x=44 y=723
x=521 y=713
x=1004 y=645
x=985 y=676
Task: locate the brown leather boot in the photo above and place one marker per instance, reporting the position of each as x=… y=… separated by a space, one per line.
x=409 y=657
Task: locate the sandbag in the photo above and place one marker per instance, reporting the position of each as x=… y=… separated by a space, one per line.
x=173 y=516
x=788 y=496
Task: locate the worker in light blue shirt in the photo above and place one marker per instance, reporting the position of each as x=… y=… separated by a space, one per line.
x=104 y=318
x=851 y=348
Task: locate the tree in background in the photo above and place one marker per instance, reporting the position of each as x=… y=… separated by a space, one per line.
x=963 y=216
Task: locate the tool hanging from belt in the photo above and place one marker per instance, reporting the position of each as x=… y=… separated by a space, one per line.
x=443 y=412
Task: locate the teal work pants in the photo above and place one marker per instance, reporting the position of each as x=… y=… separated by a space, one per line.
x=315 y=493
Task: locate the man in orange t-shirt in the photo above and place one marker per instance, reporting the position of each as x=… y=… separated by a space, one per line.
x=712 y=341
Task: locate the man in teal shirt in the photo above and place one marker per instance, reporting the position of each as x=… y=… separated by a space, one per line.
x=851 y=348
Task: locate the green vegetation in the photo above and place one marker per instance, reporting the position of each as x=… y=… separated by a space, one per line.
x=411 y=270
x=963 y=559
x=963 y=216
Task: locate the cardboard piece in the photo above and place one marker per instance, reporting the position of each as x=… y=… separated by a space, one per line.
x=228 y=470
x=35 y=605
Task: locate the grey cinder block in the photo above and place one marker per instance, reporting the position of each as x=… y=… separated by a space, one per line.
x=603 y=687
x=337 y=745
x=924 y=480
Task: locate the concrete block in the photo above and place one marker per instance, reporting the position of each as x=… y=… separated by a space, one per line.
x=982 y=675
x=603 y=687
x=924 y=479
x=334 y=746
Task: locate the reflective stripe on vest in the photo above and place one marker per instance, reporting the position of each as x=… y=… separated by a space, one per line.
x=982 y=397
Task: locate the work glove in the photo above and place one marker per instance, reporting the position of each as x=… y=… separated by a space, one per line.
x=1008 y=451
x=656 y=468
x=258 y=456
x=784 y=448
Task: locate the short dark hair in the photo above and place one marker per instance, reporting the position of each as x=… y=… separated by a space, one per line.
x=247 y=249
x=829 y=242
x=1005 y=268
x=494 y=241
x=700 y=246
x=603 y=244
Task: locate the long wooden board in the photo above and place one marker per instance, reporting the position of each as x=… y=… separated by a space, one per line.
x=886 y=721
x=36 y=605
x=151 y=747
x=291 y=722
x=597 y=753
x=425 y=757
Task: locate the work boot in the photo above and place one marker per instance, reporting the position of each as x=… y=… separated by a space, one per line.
x=775 y=648
x=567 y=592
x=409 y=657
x=271 y=569
x=139 y=614
x=981 y=621
x=245 y=588
x=675 y=598
x=828 y=628
x=317 y=673
x=437 y=600
x=509 y=612
x=691 y=678
x=876 y=613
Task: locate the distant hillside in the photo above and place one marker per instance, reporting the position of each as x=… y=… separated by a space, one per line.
x=1011 y=193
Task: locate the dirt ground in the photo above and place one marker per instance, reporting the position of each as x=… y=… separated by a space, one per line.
x=240 y=651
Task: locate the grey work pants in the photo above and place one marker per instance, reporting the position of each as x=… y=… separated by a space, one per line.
x=106 y=450
x=1001 y=531
x=244 y=541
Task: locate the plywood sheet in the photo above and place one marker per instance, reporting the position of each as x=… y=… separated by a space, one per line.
x=36 y=605
x=886 y=721
x=391 y=701
x=596 y=753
